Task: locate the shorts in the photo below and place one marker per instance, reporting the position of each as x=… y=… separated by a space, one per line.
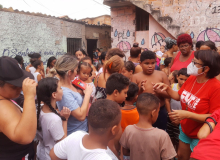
x=161 y=122
x=184 y=138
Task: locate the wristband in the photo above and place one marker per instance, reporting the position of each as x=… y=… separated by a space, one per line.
x=209 y=126
x=212 y=119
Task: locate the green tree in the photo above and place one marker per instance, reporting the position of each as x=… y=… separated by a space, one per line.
x=1 y=6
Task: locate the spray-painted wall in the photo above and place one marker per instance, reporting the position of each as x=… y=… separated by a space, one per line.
x=21 y=34
x=123 y=28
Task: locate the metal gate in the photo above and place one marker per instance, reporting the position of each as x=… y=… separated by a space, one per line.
x=73 y=44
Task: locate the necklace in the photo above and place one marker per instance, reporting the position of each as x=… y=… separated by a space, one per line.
x=196 y=92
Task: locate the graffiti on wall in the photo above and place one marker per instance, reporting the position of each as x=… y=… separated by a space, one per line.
x=123 y=44
x=13 y=52
x=210 y=34
x=157 y=38
x=122 y=35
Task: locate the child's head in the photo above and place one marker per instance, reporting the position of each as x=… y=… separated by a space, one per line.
x=38 y=64
x=148 y=105
x=132 y=93
x=87 y=59
x=113 y=52
x=199 y=44
x=162 y=49
x=48 y=89
x=99 y=65
x=113 y=65
x=102 y=57
x=182 y=76
x=148 y=61
x=173 y=77
x=128 y=69
x=135 y=52
x=51 y=62
x=117 y=87
x=167 y=61
x=84 y=70
x=35 y=55
x=104 y=118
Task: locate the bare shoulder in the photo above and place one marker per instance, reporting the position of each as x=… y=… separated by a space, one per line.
x=138 y=69
x=9 y=112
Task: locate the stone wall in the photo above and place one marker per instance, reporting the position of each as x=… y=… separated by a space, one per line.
x=21 y=34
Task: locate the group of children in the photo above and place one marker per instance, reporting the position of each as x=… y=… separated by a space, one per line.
x=127 y=117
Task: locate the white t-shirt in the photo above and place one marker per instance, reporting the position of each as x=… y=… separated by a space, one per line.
x=32 y=69
x=159 y=53
x=72 y=148
x=52 y=131
x=35 y=74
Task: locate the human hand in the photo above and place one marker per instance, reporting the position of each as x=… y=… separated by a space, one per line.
x=29 y=88
x=65 y=112
x=178 y=115
x=88 y=90
x=141 y=85
x=161 y=86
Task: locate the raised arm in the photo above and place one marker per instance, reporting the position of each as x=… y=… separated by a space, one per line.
x=13 y=124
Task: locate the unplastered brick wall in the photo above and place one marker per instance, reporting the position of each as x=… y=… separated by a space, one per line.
x=123 y=28
x=21 y=34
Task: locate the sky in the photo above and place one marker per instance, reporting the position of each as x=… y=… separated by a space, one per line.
x=75 y=9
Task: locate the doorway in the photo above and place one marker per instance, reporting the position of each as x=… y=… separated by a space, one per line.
x=91 y=45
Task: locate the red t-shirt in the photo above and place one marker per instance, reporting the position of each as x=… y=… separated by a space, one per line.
x=208 y=148
x=203 y=98
x=177 y=64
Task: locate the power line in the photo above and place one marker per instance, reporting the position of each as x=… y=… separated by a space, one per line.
x=101 y=4
x=47 y=8
x=26 y=3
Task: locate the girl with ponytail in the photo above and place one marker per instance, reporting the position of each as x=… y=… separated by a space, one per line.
x=113 y=65
x=51 y=125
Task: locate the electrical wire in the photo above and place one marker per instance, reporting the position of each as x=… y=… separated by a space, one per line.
x=102 y=5
x=26 y=3
x=47 y=8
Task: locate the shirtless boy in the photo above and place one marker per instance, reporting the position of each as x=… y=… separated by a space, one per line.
x=149 y=76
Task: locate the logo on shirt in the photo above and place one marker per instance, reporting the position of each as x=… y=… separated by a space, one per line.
x=190 y=99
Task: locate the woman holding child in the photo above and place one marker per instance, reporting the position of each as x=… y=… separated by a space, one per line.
x=184 y=57
x=66 y=68
x=199 y=98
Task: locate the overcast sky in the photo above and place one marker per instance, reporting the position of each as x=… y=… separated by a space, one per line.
x=75 y=9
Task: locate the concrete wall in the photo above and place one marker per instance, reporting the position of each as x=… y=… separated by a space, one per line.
x=21 y=34
x=106 y=19
x=102 y=34
x=123 y=28
x=199 y=18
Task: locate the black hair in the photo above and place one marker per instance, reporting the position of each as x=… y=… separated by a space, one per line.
x=51 y=59
x=183 y=71
x=2 y=83
x=19 y=59
x=147 y=102
x=34 y=55
x=211 y=59
x=129 y=66
x=147 y=55
x=167 y=61
x=210 y=44
x=103 y=114
x=45 y=89
x=132 y=91
x=86 y=58
x=32 y=60
x=169 y=43
x=102 y=57
x=175 y=73
x=83 y=52
x=81 y=63
x=37 y=63
x=135 y=51
x=136 y=44
x=98 y=66
x=117 y=82
x=199 y=44
x=98 y=49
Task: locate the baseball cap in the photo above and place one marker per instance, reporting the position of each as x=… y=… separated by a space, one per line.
x=11 y=73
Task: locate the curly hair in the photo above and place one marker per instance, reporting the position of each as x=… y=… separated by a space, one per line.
x=184 y=38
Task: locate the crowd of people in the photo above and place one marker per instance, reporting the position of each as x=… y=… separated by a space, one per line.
x=157 y=105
